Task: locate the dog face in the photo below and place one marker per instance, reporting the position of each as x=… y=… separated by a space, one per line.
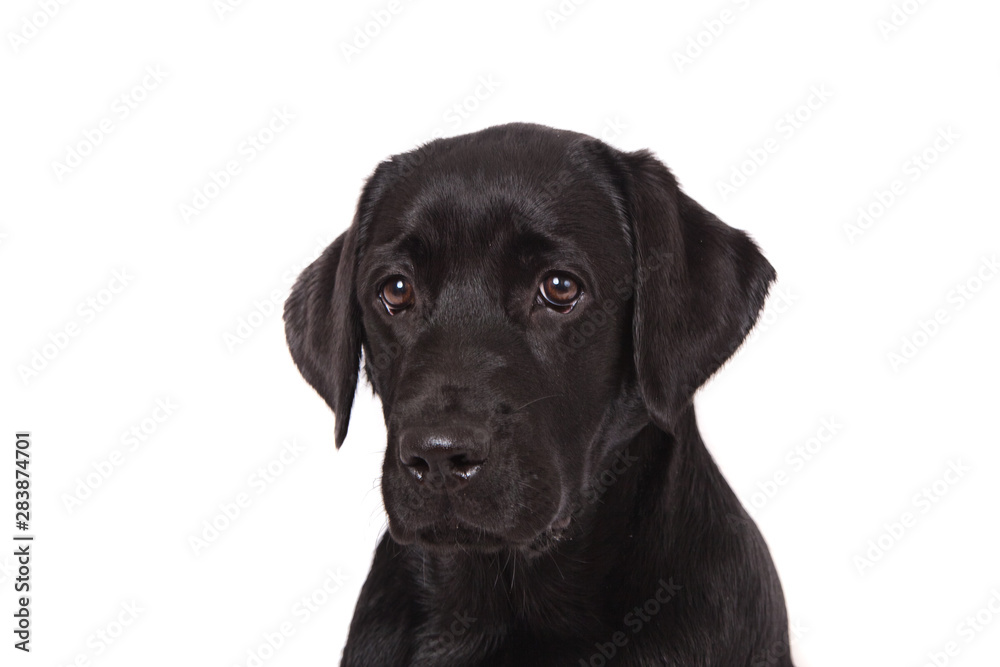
x=525 y=301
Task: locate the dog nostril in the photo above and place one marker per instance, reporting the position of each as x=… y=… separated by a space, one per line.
x=464 y=467
x=418 y=466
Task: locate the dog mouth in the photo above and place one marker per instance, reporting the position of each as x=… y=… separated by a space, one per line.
x=456 y=534
x=560 y=524
x=460 y=536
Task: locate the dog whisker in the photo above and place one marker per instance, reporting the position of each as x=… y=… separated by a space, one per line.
x=542 y=398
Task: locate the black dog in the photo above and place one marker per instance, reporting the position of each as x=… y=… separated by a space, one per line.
x=535 y=310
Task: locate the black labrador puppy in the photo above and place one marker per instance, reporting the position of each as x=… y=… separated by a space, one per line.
x=535 y=310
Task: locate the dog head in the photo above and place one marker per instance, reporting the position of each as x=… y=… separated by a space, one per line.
x=525 y=300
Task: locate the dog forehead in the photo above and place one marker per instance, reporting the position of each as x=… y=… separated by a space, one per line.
x=475 y=228
x=499 y=209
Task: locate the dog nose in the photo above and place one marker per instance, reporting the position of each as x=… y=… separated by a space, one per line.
x=439 y=457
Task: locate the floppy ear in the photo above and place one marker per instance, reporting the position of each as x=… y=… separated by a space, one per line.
x=323 y=327
x=699 y=287
x=322 y=314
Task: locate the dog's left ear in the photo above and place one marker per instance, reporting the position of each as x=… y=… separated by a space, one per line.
x=699 y=287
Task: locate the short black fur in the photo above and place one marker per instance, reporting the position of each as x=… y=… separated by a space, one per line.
x=550 y=499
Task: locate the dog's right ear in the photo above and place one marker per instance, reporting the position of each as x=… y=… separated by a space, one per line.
x=323 y=328
x=323 y=317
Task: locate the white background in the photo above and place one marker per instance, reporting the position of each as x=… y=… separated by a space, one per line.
x=611 y=69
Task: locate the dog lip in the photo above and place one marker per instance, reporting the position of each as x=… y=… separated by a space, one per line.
x=464 y=536
x=453 y=533
x=467 y=537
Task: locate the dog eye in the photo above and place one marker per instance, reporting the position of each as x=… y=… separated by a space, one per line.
x=396 y=294
x=559 y=292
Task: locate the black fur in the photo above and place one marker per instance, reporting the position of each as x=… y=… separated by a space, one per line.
x=596 y=528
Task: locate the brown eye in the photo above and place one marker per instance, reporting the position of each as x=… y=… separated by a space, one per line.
x=559 y=291
x=396 y=294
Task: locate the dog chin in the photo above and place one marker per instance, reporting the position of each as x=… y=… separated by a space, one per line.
x=447 y=537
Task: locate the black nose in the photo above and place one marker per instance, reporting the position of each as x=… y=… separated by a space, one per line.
x=443 y=457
